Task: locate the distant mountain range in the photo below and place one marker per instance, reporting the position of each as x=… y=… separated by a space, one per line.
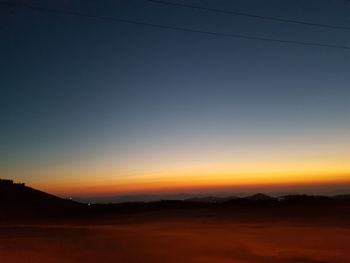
x=265 y=198
x=20 y=201
x=215 y=199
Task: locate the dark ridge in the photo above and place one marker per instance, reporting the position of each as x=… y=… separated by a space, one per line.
x=341 y=197
x=306 y=199
x=17 y=201
x=210 y=199
x=205 y=199
x=259 y=197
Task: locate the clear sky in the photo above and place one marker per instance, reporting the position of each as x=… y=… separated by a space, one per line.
x=94 y=107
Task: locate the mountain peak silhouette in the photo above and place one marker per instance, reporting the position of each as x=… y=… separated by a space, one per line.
x=259 y=197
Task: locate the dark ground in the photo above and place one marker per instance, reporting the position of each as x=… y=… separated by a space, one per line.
x=39 y=228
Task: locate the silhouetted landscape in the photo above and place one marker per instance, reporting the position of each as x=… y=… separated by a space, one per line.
x=20 y=201
x=39 y=227
x=174 y=131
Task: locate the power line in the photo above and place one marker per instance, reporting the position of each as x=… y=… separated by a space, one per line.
x=236 y=13
x=175 y=28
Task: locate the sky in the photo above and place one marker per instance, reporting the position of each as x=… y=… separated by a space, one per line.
x=96 y=107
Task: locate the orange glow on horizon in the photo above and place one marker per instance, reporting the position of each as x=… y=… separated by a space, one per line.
x=192 y=184
x=156 y=176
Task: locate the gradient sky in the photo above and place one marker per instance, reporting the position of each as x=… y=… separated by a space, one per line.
x=94 y=107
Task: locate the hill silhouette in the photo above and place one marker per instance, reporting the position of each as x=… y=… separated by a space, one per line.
x=259 y=197
x=18 y=201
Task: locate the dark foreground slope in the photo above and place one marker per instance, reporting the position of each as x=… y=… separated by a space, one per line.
x=18 y=201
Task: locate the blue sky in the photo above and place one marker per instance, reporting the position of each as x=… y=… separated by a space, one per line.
x=74 y=87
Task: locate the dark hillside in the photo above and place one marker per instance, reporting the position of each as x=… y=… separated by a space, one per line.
x=19 y=200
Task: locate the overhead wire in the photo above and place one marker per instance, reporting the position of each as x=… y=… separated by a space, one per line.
x=173 y=28
x=238 y=13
